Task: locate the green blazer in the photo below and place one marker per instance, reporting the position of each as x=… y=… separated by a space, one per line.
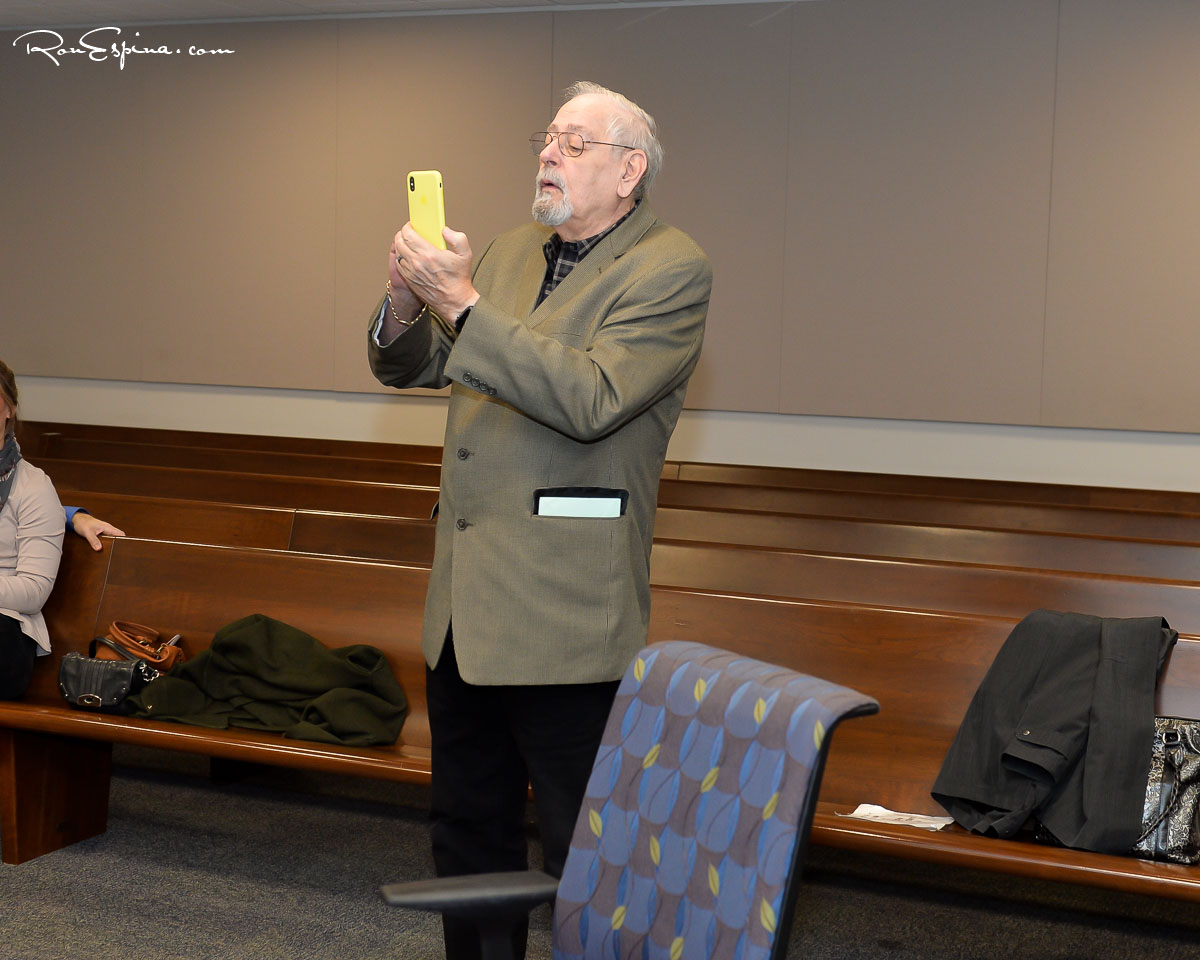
x=582 y=392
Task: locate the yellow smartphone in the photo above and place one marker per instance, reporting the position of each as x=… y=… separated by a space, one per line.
x=426 y=205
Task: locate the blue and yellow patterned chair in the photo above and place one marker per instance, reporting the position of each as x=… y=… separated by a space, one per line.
x=695 y=821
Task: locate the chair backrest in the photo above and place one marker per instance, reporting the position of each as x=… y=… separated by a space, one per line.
x=698 y=808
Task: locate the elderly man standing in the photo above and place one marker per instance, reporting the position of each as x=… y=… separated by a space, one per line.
x=568 y=349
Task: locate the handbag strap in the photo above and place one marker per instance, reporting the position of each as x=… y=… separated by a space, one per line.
x=133 y=633
x=1179 y=783
x=115 y=647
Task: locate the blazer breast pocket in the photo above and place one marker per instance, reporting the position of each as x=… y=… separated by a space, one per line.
x=595 y=502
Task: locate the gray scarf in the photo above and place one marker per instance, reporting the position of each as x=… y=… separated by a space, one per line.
x=10 y=455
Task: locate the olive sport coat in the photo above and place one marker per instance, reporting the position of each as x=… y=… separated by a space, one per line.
x=577 y=397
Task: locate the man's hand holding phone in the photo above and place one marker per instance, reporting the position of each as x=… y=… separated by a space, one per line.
x=440 y=278
x=429 y=263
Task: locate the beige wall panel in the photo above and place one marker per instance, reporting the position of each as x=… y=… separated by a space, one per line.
x=918 y=209
x=458 y=94
x=239 y=188
x=71 y=167
x=1123 y=312
x=715 y=79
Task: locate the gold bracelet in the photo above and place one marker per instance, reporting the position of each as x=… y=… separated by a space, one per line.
x=392 y=307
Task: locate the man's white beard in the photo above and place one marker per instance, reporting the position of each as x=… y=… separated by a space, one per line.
x=550 y=210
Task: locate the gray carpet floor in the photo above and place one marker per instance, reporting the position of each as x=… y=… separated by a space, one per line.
x=286 y=865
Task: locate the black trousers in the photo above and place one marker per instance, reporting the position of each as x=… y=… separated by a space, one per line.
x=17 y=653
x=489 y=745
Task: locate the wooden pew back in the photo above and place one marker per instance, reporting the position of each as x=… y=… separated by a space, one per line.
x=970 y=488
x=922 y=666
x=928 y=541
x=942 y=511
x=272 y=462
x=38 y=437
x=410 y=540
x=249 y=489
x=919 y=585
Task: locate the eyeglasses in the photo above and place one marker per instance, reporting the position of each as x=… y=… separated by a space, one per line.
x=571 y=144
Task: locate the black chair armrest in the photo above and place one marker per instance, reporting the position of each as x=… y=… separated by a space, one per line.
x=476 y=896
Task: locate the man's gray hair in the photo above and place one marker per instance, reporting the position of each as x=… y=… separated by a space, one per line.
x=630 y=125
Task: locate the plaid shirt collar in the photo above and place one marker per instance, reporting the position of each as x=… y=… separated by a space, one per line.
x=563 y=255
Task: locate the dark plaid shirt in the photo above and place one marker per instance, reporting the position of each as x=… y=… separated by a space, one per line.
x=562 y=256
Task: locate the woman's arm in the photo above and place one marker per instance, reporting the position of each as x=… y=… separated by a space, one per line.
x=39 y=546
x=91 y=528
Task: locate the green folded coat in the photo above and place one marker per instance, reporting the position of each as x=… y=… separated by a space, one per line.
x=263 y=674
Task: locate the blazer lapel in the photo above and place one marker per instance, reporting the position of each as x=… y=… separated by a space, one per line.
x=530 y=284
x=593 y=265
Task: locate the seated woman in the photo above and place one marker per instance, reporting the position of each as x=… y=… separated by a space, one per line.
x=31 y=533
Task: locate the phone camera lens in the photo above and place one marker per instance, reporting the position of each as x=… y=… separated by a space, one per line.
x=412 y=183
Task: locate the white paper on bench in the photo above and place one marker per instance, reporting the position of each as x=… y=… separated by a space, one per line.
x=871 y=811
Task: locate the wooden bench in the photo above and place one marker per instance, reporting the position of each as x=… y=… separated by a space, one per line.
x=111 y=462
x=410 y=540
x=55 y=760
x=969 y=488
x=40 y=438
x=1165 y=526
x=900 y=580
x=360 y=536
x=916 y=633
x=923 y=666
x=928 y=541
x=271 y=462
x=901 y=583
x=248 y=489
x=937 y=501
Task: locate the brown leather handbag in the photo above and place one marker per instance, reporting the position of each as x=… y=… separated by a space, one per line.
x=126 y=639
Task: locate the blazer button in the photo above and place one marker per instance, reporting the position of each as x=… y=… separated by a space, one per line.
x=461 y=523
x=463 y=453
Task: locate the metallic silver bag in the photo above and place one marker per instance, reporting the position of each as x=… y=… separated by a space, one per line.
x=1171 y=816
